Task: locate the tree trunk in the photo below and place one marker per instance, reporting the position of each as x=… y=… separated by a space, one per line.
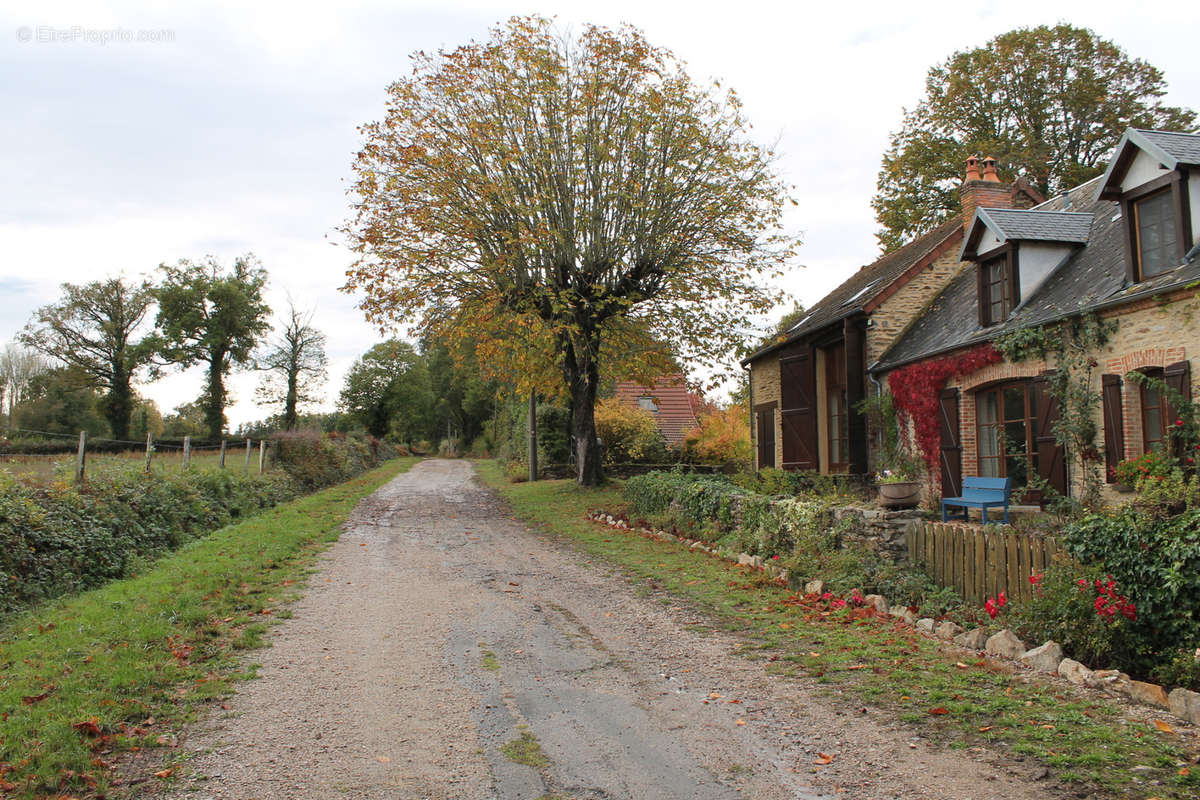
x=583 y=379
x=290 y=418
x=119 y=405
x=214 y=398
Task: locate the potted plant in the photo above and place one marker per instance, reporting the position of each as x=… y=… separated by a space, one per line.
x=898 y=487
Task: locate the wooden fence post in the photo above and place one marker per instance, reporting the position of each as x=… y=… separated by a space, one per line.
x=187 y=451
x=247 y=456
x=81 y=457
x=222 y=454
x=262 y=454
x=149 y=449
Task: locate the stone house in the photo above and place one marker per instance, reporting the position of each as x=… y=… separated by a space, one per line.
x=1122 y=246
x=805 y=386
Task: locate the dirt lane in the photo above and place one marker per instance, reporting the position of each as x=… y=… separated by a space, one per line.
x=438 y=632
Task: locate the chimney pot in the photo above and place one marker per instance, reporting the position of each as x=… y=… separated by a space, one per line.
x=989 y=170
x=973 y=168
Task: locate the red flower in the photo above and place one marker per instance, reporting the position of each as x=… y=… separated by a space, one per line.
x=1002 y=600
x=1035 y=578
x=990 y=608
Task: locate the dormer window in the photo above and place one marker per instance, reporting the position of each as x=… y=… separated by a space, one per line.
x=995 y=290
x=1155 y=233
x=646 y=403
x=1152 y=175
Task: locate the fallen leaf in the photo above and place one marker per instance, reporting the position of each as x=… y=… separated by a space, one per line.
x=511 y=583
x=785 y=625
x=1162 y=726
x=88 y=727
x=1185 y=771
x=961 y=665
x=165 y=773
x=938 y=711
x=740 y=722
x=857 y=666
x=824 y=759
x=383 y=759
x=985 y=729
x=37 y=698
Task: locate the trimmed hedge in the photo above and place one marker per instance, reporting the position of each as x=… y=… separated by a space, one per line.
x=58 y=539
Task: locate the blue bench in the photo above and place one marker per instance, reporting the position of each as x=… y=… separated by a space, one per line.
x=981 y=493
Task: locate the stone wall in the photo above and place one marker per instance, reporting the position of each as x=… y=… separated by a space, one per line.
x=881 y=530
x=765 y=388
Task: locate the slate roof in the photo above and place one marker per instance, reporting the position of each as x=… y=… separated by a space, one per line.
x=1183 y=147
x=863 y=286
x=1092 y=279
x=1039 y=226
x=675 y=415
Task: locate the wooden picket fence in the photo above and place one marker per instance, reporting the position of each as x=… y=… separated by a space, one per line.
x=980 y=561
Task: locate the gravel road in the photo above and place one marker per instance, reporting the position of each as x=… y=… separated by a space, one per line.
x=438 y=630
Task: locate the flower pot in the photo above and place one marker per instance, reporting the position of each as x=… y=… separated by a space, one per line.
x=906 y=494
x=1122 y=488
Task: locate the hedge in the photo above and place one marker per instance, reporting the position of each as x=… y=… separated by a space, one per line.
x=58 y=539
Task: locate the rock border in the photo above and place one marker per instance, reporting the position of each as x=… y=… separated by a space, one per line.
x=1046 y=659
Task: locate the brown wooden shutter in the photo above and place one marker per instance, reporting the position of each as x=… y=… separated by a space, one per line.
x=950 y=457
x=765 y=434
x=1051 y=465
x=798 y=410
x=1114 y=425
x=1178 y=377
x=981 y=295
x=1012 y=273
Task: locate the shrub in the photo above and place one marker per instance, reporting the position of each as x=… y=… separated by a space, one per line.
x=1153 y=464
x=57 y=539
x=630 y=435
x=775 y=481
x=1155 y=561
x=722 y=437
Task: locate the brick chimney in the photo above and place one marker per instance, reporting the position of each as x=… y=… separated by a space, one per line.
x=984 y=190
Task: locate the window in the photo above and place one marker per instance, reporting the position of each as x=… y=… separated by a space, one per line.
x=1005 y=417
x=1154 y=414
x=996 y=290
x=835 y=398
x=648 y=404
x=1156 y=237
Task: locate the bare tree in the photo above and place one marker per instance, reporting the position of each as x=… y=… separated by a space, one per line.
x=18 y=366
x=295 y=366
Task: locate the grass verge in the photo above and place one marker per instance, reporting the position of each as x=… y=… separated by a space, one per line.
x=86 y=679
x=977 y=705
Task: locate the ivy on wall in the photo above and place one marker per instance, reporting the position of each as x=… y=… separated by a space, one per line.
x=917 y=388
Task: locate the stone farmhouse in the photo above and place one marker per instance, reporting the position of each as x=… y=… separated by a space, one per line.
x=1122 y=246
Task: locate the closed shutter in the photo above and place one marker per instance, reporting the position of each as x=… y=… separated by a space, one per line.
x=765 y=433
x=798 y=411
x=1178 y=377
x=1051 y=465
x=950 y=457
x=1114 y=425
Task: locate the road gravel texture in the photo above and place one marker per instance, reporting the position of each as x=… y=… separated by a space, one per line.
x=438 y=630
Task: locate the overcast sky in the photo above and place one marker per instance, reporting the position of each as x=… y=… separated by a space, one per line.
x=221 y=129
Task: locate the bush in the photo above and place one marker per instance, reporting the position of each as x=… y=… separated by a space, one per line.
x=630 y=435
x=58 y=539
x=722 y=437
x=772 y=480
x=1155 y=561
x=315 y=460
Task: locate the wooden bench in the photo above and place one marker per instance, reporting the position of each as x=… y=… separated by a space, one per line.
x=981 y=493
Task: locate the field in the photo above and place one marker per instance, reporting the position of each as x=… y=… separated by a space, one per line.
x=61 y=466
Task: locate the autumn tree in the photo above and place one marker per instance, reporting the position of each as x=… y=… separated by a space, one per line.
x=215 y=317
x=295 y=364
x=567 y=186
x=1049 y=103
x=95 y=329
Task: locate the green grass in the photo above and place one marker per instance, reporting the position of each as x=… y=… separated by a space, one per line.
x=86 y=678
x=487 y=660
x=45 y=468
x=525 y=750
x=872 y=661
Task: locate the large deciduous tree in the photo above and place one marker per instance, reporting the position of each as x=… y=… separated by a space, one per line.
x=94 y=329
x=295 y=365
x=1049 y=103
x=387 y=392
x=215 y=317
x=570 y=190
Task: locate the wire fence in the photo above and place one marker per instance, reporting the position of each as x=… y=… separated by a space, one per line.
x=246 y=455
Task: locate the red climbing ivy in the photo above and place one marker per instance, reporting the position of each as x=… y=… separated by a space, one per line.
x=917 y=389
